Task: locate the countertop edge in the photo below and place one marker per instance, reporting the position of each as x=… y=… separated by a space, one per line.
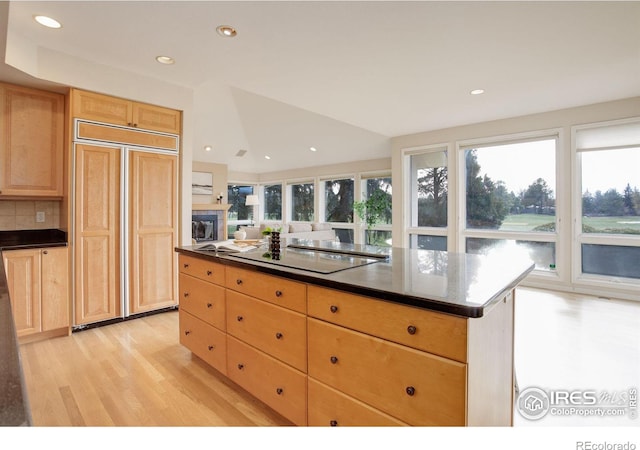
x=471 y=312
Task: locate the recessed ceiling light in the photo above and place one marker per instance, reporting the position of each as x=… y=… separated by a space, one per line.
x=47 y=21
x=267 y=157
x=226 y=31
x=165 y=59
x=313 y=149
x=208 y=148
x=477 y=92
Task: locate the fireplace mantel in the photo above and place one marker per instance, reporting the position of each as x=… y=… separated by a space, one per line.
x=210 y=207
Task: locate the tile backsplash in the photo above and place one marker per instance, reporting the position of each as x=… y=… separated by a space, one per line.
x=21 y=214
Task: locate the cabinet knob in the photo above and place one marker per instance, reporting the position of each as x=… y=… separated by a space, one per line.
x=279 y=391
x=278 y=335
x=209 y=305
x=209 y=273
x=238 y=281
x=185 y=265
x=333 y=423
x=211 y=347
x=185 y=295
x=334 y=359
x=278 y=293
x=240 y=366
x=45 y=252
x=411 y=390
x=411 y=329
x=187 y=333
x=333 y=309
x=239 y=318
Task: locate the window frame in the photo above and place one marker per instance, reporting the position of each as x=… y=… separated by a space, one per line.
x=559 y=272
x=580 y=238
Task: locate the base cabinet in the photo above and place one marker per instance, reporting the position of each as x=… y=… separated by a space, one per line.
x=322 y=357
x=38 y=282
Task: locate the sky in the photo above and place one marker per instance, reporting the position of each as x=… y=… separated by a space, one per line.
x=601 y=170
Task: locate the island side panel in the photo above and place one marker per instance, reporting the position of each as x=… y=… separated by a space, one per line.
x=490 y=382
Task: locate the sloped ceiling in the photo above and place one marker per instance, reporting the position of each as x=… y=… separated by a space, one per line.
x=344 y=77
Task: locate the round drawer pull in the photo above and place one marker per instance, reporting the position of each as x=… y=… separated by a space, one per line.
x=209 y=273
x=211 y=347
x=186 y=294
x=334 y=359
x=333 y=423
x=411 y=390
x=240 y=366
x=187 y=333
x=238 y=281
x=209 y=305
x=278 y=293
x=239 y=318
x=411 y=329
x=278 y=335
x=279 y=391
x=45 y=252
x=334 y=309
x=185 y=265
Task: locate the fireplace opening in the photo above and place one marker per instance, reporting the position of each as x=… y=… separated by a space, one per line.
x=204 y=227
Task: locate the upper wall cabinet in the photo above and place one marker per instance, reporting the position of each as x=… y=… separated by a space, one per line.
x=117 y=111
x=31 y=142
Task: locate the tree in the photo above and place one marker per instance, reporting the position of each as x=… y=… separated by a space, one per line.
x=339 y=200
x=629 y=205
x=302 y=202
x=538 y=195
x=487 y=202
x=432 y=196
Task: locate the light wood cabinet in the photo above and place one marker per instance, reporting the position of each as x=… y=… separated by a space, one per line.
x=31 y=142
x=276 y=331
x=278 y=385
x=38 y=282
x=203 y=300
x=153 y=231
x=416 y=387
x=97 y=233
x=204 y=340
x=118 y=111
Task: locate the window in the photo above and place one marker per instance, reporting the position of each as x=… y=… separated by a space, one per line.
x=429 y=197
x=337 y=206
x=377 y=190
x=239 y=213
x=608 y=156
x=509 y=198
x=272 y=198
x=302 y=197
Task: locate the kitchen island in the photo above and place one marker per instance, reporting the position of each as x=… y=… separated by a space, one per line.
x=337 y=334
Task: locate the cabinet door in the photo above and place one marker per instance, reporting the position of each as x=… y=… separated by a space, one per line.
x=31 y=142
x=101 y=108
x=97 y=234
x=157 y=118
x=22 y=268
x=55 y=288
x=153 y=231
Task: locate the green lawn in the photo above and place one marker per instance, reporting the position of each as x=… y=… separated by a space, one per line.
x=527 y=222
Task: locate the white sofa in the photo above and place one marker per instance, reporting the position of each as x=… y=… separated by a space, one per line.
x=311 y=231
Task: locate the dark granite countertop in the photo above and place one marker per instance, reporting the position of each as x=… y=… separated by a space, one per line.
x=14 y=404
x=455 y=283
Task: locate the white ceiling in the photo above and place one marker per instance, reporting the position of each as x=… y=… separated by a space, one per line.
x=361 y=72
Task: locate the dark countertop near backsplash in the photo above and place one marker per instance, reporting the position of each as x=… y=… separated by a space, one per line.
x=14 y=403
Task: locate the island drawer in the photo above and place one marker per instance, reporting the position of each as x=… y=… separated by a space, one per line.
x=202 y=268
x=203 y=300
x=278 y=385
x=276 y=290
x=416 y=387
x=203 y=340
x=280 y=332
x=331 y=408
x=437 y=333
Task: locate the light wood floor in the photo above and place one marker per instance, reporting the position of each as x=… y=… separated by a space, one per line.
x=135 y=373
